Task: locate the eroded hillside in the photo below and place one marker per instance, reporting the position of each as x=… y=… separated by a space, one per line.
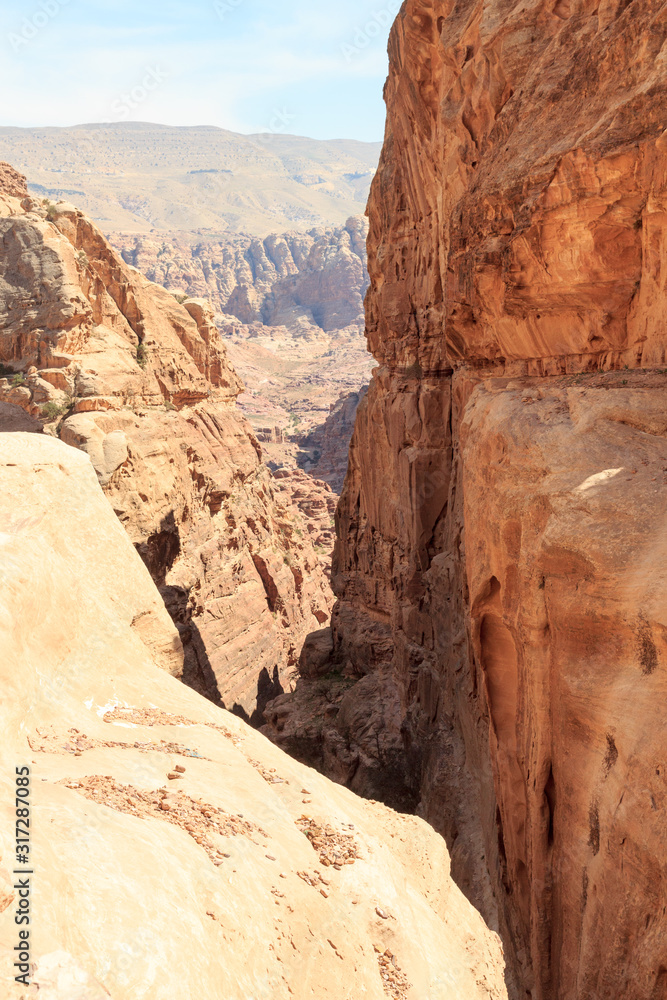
x=98 y=356
x=140 y=177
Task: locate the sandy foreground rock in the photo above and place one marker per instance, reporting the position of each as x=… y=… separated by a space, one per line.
x=176 y=852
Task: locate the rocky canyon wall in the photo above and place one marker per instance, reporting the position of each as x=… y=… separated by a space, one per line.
x=315 y=279
x=95 y=354
x=178 y=854
x=500 y=565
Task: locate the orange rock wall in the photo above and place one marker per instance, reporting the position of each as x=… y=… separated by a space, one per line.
x=500 y=557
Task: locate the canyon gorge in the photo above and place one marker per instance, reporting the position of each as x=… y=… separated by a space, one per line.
x=290 y=308
x=178 y=854
x=479 y=675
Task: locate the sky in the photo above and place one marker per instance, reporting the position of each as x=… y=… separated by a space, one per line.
x=304 y=67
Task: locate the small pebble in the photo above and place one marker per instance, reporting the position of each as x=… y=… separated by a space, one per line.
x=180 y=769
x=271 y=857
x=381 y=913
x=324 y=893
x=172 y=776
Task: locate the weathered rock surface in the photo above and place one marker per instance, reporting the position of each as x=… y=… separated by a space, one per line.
x=12 y=183
x=499 y=564
x=114 y=366
x=316 y=501
x=290 y=309
x=328 y=445
x=178 y=854
x=314 y=279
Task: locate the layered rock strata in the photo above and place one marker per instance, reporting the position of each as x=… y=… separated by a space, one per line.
x=314 y=279
x=178 y=854
x=112 y=364
x=499 y=565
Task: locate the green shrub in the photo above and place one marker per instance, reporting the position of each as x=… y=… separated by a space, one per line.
x=52 y=411
x=18 y=380
x=142 y=356
x=51 y=211
x=180 y=298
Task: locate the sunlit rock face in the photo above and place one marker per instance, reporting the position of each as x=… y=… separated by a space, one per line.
x=112 y=364
x=500 y=558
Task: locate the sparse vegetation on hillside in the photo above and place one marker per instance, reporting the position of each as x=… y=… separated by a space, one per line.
x=52 y=411
x=51 y=210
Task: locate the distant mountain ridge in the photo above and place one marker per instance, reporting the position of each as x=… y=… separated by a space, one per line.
x=297 y=280
x=138 y=177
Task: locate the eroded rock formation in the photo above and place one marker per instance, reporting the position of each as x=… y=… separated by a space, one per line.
x=327 y=446
x=500 y=567
x=113 y=365
x=178 y=854
x=289 y=307
x=315 y=279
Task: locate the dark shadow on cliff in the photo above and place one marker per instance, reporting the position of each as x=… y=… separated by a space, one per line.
x=348 y=727
x=268 y=688
x=159 y=553
x=14 y=419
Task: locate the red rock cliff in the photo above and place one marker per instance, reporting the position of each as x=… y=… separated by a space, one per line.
x=500 y=566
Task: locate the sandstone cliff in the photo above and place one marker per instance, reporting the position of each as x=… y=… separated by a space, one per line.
x=500 y=567
x=289 y=307
x=327 y=446
x=178 y=854
x=113 y=365
x=309 y=279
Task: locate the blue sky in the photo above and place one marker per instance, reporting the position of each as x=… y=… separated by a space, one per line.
x=316 y=65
